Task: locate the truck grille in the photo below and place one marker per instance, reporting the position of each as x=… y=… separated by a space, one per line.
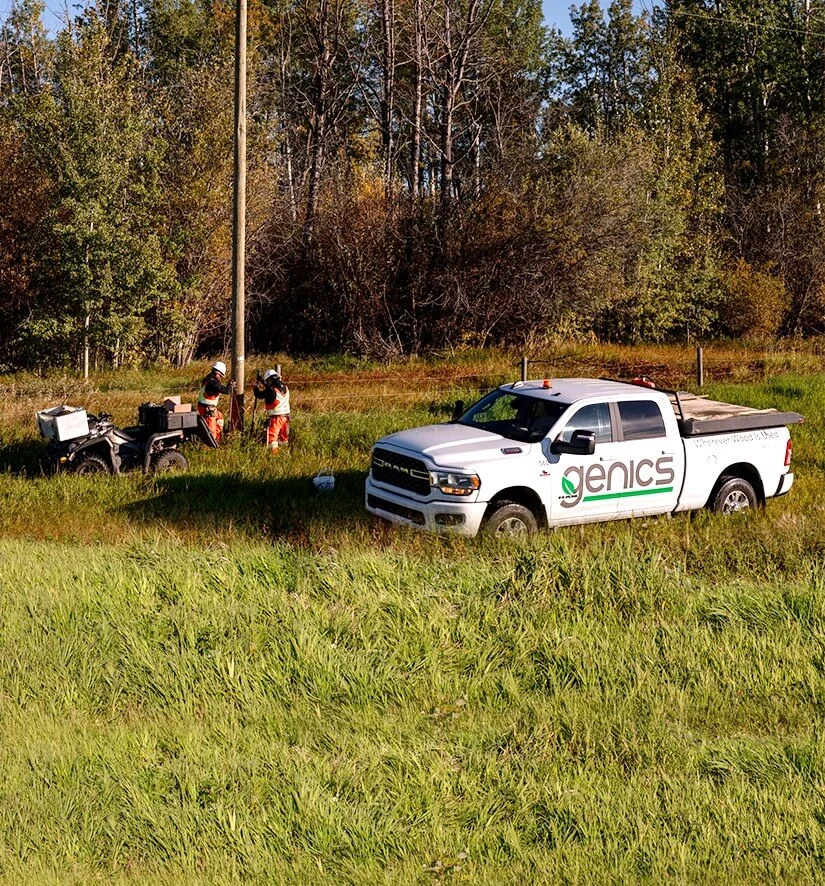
x=401 y=471
x=391 y=507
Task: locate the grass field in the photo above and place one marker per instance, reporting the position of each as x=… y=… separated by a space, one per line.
x=229 y=677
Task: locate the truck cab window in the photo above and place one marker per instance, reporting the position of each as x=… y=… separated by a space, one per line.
x=515 y=416
x=596 y=418
x=641 y=419
x=499 y=409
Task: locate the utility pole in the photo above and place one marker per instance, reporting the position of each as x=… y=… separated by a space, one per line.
x=239 y=214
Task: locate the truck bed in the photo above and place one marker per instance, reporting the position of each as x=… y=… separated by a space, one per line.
x=698 y=416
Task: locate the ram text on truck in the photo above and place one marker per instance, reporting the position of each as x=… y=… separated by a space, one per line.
x=576 y=450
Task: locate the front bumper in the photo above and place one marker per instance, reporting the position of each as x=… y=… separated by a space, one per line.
x=454 y=517
x=785 y=483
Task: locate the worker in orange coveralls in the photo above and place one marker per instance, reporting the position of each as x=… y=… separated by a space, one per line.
x=211 y=389
x=275 y=395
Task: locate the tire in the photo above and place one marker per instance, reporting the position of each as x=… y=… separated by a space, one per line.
x=734 y=495
x=168 y=461
x=91 y=464
x=510 y=519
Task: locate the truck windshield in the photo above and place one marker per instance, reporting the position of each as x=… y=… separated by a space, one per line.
x=513 y=415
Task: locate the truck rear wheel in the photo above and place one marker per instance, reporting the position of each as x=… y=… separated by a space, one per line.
x=734 y=494
x=510 y=518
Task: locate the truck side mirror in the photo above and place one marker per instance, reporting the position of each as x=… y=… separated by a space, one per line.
x=580 y=443
x=458 y=409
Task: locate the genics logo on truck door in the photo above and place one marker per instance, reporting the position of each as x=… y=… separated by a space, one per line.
x=619 y=479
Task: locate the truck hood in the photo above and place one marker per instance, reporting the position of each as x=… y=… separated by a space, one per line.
x=453 y=445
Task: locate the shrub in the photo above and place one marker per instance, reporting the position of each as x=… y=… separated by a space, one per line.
x=754 y=302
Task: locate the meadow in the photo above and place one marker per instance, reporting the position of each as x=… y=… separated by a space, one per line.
x=226 y=676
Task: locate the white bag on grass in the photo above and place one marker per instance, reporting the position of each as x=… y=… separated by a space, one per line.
x=324 y=481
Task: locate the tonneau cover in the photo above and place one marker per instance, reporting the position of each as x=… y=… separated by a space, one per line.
x=698 y=416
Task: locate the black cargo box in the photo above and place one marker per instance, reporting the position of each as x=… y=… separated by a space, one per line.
x=160 y=419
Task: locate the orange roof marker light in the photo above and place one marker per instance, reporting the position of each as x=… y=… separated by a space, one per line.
x=547 y=384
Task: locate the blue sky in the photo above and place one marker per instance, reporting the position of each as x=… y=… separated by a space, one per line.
x=557 y=12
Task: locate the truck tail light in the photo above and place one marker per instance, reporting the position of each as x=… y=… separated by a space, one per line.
x=788 y=452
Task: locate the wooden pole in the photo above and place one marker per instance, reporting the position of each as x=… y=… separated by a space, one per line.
x=86 y=324
x=239 y=212
x=524 y=369
x=700 y=368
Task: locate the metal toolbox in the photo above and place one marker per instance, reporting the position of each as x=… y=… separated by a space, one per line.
x=63 y=423
x=175 y=421
x=159 y=418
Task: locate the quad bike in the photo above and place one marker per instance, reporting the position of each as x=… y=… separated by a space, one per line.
x=107 y=449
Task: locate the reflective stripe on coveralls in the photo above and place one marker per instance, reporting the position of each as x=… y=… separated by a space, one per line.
x=281 y=406
x=214 y=420
x=205 y=400
x=277 y=431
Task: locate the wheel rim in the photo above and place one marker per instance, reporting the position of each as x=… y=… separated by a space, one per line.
x=89 y=468
x=512 y=526
x=735 y=501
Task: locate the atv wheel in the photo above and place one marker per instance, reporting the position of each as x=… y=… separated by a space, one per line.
x=171 y=460
x=91 y=464
x=510 y=518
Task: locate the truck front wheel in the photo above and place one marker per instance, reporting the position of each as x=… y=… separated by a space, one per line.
x=734 y=494
x=509 y=518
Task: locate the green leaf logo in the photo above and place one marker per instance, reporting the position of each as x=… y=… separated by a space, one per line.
x=567 y=486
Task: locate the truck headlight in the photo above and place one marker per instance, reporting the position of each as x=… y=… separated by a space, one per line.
x=455 y=484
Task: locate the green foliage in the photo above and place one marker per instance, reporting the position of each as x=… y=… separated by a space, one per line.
x=409 y=164
x=606 y=70
x=674 y=291
x=191 y=73
x=101 y=261
x=758 y=69
x=28 y=52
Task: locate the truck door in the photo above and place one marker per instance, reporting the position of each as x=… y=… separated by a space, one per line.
x=636 y=468
x=579 y=483
x=654 y=460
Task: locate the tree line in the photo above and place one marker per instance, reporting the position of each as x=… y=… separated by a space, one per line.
x=423 y=173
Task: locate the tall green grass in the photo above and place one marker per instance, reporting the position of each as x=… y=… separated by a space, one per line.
x=582 y=708
x=230 y=677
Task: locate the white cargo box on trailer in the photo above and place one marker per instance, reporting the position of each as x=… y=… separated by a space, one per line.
x=63 y=423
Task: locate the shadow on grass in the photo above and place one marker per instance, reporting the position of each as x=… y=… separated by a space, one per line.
x=25 y=457
x=278 y=507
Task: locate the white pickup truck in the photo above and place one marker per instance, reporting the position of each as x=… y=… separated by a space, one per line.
x=575 y=450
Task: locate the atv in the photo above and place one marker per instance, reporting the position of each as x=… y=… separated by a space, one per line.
x=150 y=446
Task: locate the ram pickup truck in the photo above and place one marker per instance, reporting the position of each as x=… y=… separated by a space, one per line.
x=554 y=452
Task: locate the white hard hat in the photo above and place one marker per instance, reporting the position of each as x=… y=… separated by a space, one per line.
x=219 y=366
x=269 y=373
